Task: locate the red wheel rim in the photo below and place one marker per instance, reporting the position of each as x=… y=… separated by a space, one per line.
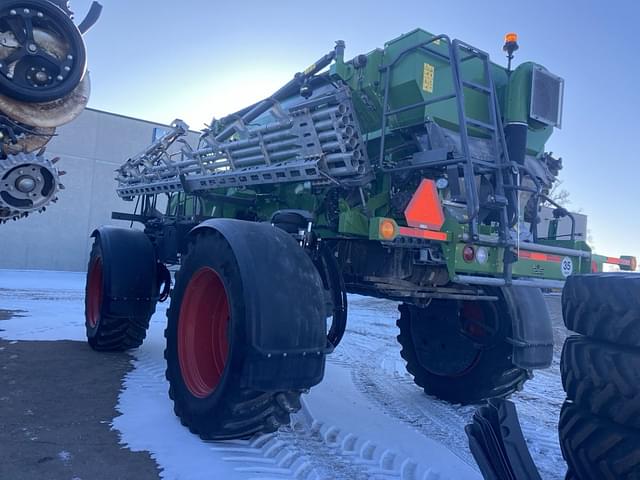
x=94 y=292
x=203 y=346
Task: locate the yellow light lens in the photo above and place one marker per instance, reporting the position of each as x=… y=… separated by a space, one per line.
x=387 y=229
x=511 y=38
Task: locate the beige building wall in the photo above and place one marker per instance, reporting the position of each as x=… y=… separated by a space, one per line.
x=90 y=149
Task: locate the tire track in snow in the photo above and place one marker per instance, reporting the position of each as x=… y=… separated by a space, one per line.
x=371 y=352
x=307 y=449
x=538 y=404
x=401 y=399
x=310 y=450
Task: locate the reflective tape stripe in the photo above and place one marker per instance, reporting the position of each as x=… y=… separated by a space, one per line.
x=540 y=257
x=618 y=261
x=426 y=234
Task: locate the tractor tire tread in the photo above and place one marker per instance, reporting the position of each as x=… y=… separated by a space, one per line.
x=119 y=334
x=604 y=307
x=603 y=378
x=597 y=449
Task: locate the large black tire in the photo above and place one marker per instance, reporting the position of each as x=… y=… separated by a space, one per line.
x=603 y=378
x=116 y=324
x=455 y=367
x=597 y=449
x=205 y=378
x=604 y=306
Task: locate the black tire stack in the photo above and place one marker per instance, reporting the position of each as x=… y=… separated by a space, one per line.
x=599 y=424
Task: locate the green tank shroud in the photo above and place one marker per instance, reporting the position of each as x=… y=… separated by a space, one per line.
x=421 y=75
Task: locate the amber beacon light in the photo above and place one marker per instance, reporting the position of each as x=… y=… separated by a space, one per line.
x=510 y=46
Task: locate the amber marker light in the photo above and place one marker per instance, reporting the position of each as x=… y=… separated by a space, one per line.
x=387 y=229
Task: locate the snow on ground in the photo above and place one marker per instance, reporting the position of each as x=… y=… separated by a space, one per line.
x=367 y=419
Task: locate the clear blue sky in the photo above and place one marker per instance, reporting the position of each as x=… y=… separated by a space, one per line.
x=194 y=59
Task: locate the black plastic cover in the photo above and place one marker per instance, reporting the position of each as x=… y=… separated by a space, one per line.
x=532 y=330
x=129 y=269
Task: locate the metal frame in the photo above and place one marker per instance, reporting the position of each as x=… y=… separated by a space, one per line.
x=467 y=162
x=307 y=143
x=318 y=140
x=502 y=167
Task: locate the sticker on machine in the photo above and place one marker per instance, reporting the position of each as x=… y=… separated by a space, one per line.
x=566 y=266
x=427 y=77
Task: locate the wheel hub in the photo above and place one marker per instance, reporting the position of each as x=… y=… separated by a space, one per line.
x=443 y=352
x=28 y=183
x=449 y=336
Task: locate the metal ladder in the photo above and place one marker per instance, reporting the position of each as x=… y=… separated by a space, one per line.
x=495 y=131
x=493 y=128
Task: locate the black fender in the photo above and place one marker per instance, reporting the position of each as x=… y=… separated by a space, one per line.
x=284 y=303
x=130 y=272
x=532 y=329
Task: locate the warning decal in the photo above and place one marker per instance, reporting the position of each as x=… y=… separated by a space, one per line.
x=427 y=77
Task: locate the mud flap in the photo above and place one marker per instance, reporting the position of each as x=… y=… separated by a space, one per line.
x=497 y=443
x=285 y=308
x=129 y=266
x=532 y=330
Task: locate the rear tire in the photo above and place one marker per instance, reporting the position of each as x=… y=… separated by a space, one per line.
x=204 y=376
x=108 y=327
x=604 y=306
x=603 y=378
x=597 y=449
x=456 y=366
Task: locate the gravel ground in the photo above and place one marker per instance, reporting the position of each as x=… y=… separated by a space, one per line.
x=57 y=401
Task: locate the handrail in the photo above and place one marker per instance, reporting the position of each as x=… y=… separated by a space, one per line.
x=473 y=203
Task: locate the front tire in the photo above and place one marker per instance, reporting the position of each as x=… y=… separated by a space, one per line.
x=457 y=351
x=207 y=346
x=116 y=323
